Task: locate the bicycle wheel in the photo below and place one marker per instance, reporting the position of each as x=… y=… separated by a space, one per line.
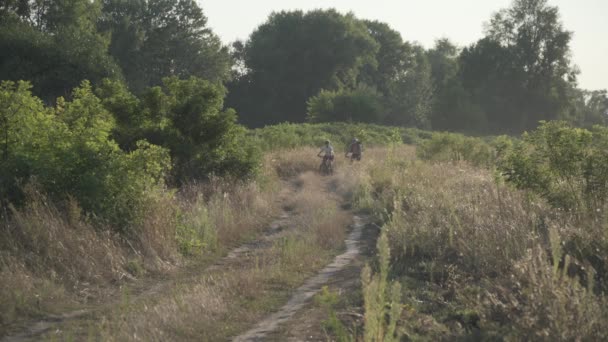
x=324 y=168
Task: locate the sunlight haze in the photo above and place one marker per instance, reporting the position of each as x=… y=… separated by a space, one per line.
x=424 y=21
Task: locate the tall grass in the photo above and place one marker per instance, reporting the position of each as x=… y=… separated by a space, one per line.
x=53 y=257
x=230 y=299
x=382 y=299
x=46 y=253
x=477 y=258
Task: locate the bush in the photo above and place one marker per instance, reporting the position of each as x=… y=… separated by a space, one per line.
x=67 y=151
x=567 y=166
x=185 y=117
x=456 y=147
x=362 y=104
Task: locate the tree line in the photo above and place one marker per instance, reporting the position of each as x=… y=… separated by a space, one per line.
x=326 y=66
x=318 y=66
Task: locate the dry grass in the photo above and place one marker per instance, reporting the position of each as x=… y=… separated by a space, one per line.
x=222 y=213
x=46 y=253
x=292 y=162
x=480 y=260
x=53 y=259
x=319 y=212
x=226 y=301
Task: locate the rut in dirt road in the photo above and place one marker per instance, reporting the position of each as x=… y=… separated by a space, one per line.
x=303 y=294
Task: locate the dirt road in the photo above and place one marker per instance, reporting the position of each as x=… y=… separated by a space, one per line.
x=229 y=299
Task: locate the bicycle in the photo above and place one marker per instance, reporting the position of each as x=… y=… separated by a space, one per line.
x=353 y=156
x=326 y=167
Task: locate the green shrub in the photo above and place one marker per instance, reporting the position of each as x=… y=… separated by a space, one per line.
x=328 y=300
x=362 y=104
x=195 y=232
x=289 y=135
x=382 y=302
x=456 y=147
x=567 y=166
x=67 y=151
x=187 y=118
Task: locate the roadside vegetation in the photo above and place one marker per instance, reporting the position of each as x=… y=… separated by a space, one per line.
x=229 y=297
x=506 y=243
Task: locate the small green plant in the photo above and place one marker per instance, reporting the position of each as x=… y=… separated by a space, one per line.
x=382 y=300
x=195 y=232
x=135 y=267
x=328 y=300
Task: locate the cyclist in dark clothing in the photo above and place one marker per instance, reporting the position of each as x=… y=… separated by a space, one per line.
x=355 y=149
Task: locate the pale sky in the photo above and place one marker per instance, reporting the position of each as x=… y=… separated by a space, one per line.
x=426 y=20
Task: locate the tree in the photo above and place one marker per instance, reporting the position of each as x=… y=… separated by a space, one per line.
x=292 y=56
x=589 y=108
x=451 y=109
x=491 y=96
x=443 y=58
x=391 y=61
x=537 y=47
x=54 y=45
x=187 y=118
x=401 y=73
x=540 y=44
x=21 y=8
x=153 y=39
x=410 y=95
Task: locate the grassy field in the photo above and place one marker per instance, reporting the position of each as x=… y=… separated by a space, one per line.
x=478 y=259
x=466 y=249
x=166 y=287
x=54 y=260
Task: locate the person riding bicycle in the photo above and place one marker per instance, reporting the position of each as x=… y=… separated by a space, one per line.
x=327 y=152
x=355 y=149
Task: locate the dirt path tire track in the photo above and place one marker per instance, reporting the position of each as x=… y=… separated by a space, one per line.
x=313 y=285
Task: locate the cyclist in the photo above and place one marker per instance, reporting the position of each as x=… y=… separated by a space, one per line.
x=327 y=152
x=355 y=149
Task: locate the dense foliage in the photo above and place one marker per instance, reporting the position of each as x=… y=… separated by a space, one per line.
x=362 y=104
x=54 y=45
x=321 y=65
x=66 y=150
x=153 y=39
x=293 y=56
x=57 y=44
x=568 y=166
x=72 y=149
x=186 y=117
x=518 y=74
